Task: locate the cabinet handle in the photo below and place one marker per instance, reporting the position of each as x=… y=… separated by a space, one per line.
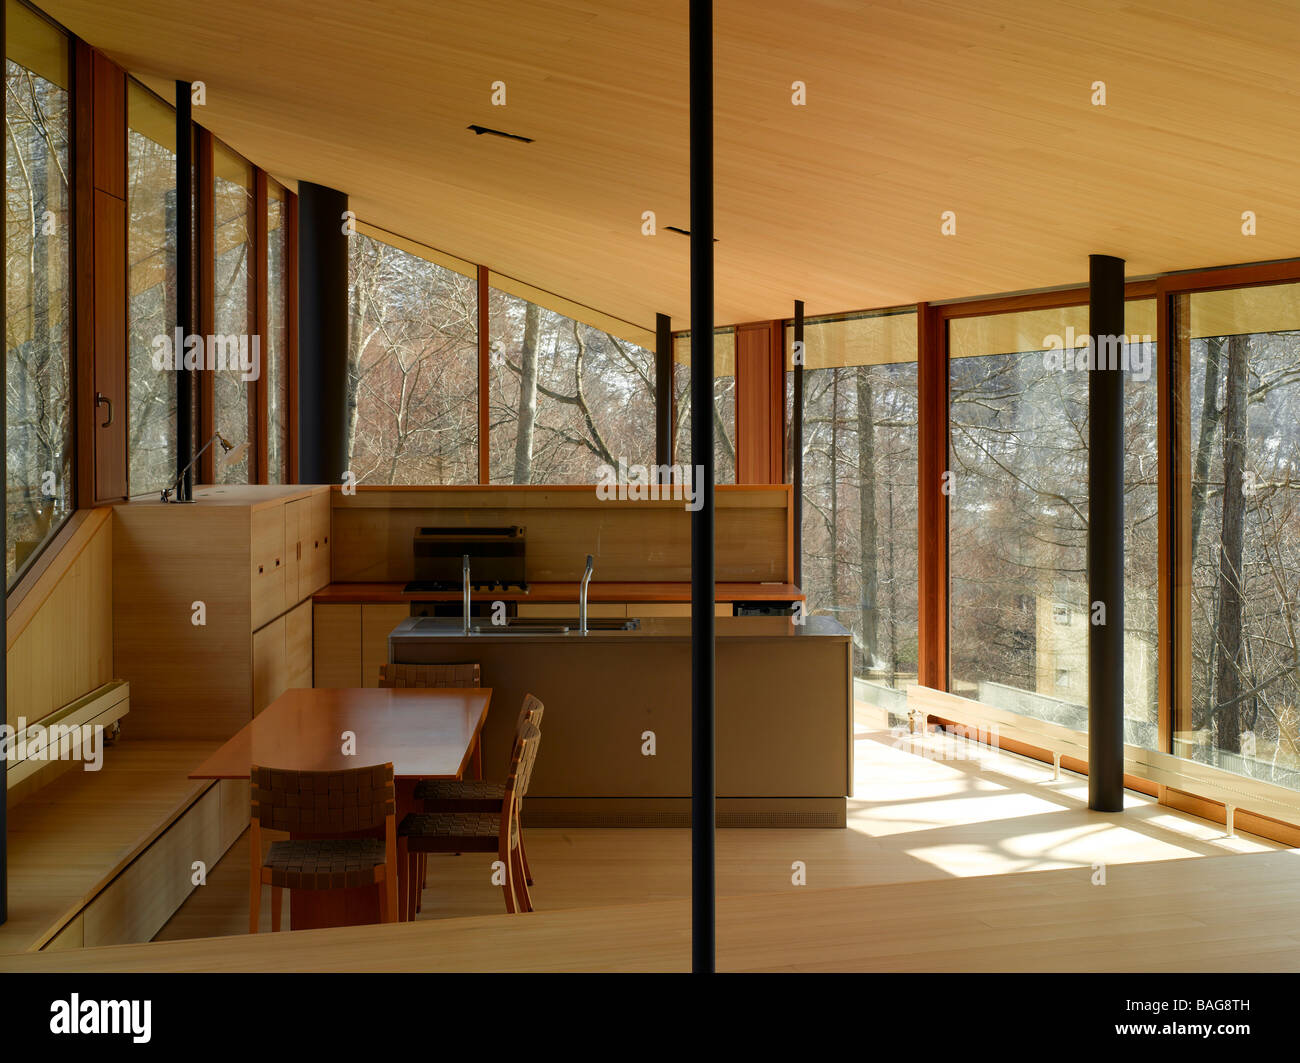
x=103 y=400
x=277 y=562
x=259 y=570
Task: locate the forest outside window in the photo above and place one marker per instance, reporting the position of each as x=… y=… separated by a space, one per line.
x=275 y=344
x=1019 y=612
x=566 y=397
x=724 y=403
x=38 y=462
x=234 y=398
x=860 y=424
x=1238 y=354
x=413 y=365
x=151 y=288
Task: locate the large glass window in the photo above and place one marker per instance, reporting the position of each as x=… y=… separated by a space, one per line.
x=1240 y=390
x=413 y=358
x=151 y=288
x=1019 y=612
x=276 y=341
x=38 y=461
x=566 y=397
x=235 y=400
x=724 y=403
x=859 y=498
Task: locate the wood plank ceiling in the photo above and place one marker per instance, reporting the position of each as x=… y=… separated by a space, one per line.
x=914 y=107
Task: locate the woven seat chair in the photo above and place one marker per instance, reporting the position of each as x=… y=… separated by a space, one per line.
x=325 y=804
x=429 y=675
x=478 y=832
x=480 y=795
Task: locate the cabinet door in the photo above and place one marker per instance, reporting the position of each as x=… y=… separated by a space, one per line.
x=268 y=568
x=297 y=557
x=377 y=622
x=297 y=646
x=319 y=569
x=270 y=677
x=336 y=636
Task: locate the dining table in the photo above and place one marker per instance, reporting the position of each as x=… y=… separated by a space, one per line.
x=425 y=733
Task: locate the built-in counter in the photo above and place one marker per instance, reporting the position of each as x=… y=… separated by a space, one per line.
x=616 y=745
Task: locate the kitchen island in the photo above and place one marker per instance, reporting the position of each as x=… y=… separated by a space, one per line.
x=616 y=746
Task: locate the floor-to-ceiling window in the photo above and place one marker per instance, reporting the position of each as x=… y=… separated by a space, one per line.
x=859 y=489
x=234 y=393
x=413 y=357
x=1019 y=611
x=724 y=403
x=1238 y=353
x=566 y=397
x=151 y=288
x=38 y=459
x=275 y=343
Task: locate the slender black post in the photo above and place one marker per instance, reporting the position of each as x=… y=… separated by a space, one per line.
x=663 y=393
x=4 y=537
x=1106 y=535
x=322 y=334
x=703 y=812
x=184 y=286
x=796 y=444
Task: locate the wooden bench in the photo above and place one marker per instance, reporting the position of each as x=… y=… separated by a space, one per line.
x=1178 y=773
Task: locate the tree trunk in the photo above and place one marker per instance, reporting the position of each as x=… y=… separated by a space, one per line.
x=527 y=396
x=867 y=516
x=835 y=492
x=1228 y=681
x=1205 y=437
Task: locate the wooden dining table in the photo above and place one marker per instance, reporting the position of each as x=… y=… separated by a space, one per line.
x=425 y=733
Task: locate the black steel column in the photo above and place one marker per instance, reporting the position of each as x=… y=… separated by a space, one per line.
x=184 y=285
x=4 y=537
x=703 y=811
x=663 y=391
x=796 y=444
x=1106 y=535
x=322 y=334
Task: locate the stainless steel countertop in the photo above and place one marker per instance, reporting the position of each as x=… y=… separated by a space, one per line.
x=729 y=628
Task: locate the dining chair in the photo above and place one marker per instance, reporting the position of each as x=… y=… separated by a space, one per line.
x=429 y=675
x=324 y=805
x=442 y=832
x=480 y=795
x=435 y=675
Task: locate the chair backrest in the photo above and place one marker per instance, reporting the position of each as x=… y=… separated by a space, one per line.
x=323 y=802
x=521 y=764
x=531 y=710
x=429 y=675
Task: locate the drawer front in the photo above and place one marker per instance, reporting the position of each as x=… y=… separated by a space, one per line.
x=377 y=622
x=318 y=573
x=336 y=641
x=136 y=904
x=268 y=564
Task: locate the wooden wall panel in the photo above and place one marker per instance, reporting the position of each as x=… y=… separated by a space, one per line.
x=60 y=635
x=759 y=406
x=373 y=531
x=932 y=557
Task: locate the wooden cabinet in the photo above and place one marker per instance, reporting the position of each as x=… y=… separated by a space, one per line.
x=336 y=637
x=232 y=551
x=377 y=622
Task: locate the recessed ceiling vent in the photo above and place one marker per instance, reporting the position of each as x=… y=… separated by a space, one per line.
x=479 y=130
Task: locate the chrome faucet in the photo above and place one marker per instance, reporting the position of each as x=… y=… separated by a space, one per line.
x=582 y=598
x=464 y=575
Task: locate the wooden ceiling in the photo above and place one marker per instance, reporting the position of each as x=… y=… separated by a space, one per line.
x=914 y=107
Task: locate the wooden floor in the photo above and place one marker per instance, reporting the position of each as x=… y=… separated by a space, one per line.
x=1228 y=913
x=69 y=838
x=946 y=865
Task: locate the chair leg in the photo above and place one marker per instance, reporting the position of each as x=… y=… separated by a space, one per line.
x=277 y=899
x=384 y=910
x=254 y=899
x=521 y=883
x=523 y=855
x=403 y=880
x=422 y=863
x=509 y=885
x=388 y=909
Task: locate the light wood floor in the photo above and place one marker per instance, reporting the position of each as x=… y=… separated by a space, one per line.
x=68 y=838
x=913 y=819
x=1228 y=913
